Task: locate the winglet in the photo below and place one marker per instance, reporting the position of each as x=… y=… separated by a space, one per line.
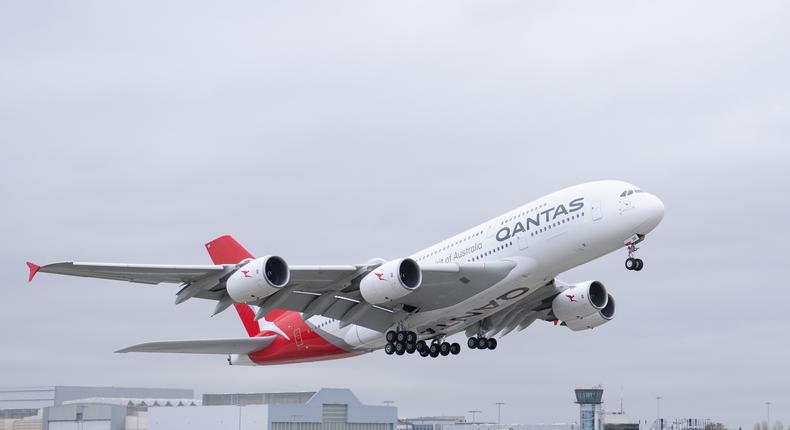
x=33 y=270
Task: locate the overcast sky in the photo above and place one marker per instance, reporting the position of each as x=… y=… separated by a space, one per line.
x=335 y=132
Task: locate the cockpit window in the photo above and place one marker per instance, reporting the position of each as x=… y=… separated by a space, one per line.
x=629 y=192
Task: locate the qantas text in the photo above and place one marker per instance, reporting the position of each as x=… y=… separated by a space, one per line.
x=547 y=216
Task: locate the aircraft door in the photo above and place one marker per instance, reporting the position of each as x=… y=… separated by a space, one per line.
x=522 y=241
x=597 y=213
x=298 y=338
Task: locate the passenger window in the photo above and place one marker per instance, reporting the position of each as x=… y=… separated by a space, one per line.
x=623 y=194
x=630 y=192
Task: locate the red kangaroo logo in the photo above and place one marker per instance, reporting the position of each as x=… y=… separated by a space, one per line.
x=380 y=276
x=246 y=273
x=571 y=297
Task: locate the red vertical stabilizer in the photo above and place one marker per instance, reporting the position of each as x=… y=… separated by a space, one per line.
x=225 y=250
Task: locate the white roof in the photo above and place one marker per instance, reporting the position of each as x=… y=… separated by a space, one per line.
x=135 y=402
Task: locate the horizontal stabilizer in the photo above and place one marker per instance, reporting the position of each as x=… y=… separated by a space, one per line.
x=216 y=346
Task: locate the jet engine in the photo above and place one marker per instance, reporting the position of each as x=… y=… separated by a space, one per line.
x=580 y=301
x=391 y=281
x=598 y=318
x=258 y=279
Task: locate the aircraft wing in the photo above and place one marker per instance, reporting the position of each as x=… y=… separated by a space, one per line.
x=140 y=273
x=216 y=346
x=329 y=290
x=442 y=285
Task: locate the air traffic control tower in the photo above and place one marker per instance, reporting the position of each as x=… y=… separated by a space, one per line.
x=590 y=400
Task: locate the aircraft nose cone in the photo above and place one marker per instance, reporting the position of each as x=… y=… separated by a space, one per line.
x=653 y=209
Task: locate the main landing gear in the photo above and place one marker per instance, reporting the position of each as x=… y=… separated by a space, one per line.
x=632 y=263
x=405 y=342
x=480 y=342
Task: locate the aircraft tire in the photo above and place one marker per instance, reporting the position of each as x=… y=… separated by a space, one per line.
x=389 y=348
x=472 y=343
x=455 y=349
x=411 y=347
x=401 y=336
x=482 y=343
x=630 y=263
x=391 y=336
x=444 y=348
x=492 y=343
x=425 y=352
x=422 y=346
x=411 y=337
x=639 y=264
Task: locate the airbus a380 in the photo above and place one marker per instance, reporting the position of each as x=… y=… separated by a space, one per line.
x=487 y=281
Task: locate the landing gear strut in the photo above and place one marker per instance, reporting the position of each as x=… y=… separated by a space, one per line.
x=632 y=263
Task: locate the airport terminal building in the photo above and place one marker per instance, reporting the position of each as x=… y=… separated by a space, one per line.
x=112 y=408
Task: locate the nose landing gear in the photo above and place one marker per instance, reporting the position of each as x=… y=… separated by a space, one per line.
x=632 y=263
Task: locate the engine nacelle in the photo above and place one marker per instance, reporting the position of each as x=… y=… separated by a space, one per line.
x=599 y=318
x=391 y=281
x=579 y=301
x=258 y=279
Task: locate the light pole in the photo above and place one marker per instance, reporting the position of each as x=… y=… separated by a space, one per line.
x=768 y=414
x=474 y=414
x=499 y=414
x=658 y=413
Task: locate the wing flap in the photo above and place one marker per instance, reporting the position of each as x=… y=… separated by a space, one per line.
x=215 y=346
x=448 y=284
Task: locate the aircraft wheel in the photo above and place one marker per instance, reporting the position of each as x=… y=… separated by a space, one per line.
x=639 y=264
x=411 y=347
x=455 y=349
x=444 y=348
x=436 y=353
x=434 y=349
x=422 y=346
x=411 y=337
x=492 y=343
x=630 y=263
x=425 y=352
x=482 y=343
x=391 y=336
x=472 y=343
x=400 y=348
x=401 y=336
x=389 y=349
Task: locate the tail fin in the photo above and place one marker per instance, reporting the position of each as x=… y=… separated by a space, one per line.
x=225 y=250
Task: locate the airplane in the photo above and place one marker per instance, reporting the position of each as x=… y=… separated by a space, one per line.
x=487 y=281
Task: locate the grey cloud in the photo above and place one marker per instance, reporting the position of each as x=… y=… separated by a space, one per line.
x=337 y=132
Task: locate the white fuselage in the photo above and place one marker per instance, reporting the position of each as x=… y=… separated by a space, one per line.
x=545 y=237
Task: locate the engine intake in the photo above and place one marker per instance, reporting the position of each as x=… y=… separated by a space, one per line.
x=391 y=281
x=258 y=279
x=580 y=301
x=599 y=318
